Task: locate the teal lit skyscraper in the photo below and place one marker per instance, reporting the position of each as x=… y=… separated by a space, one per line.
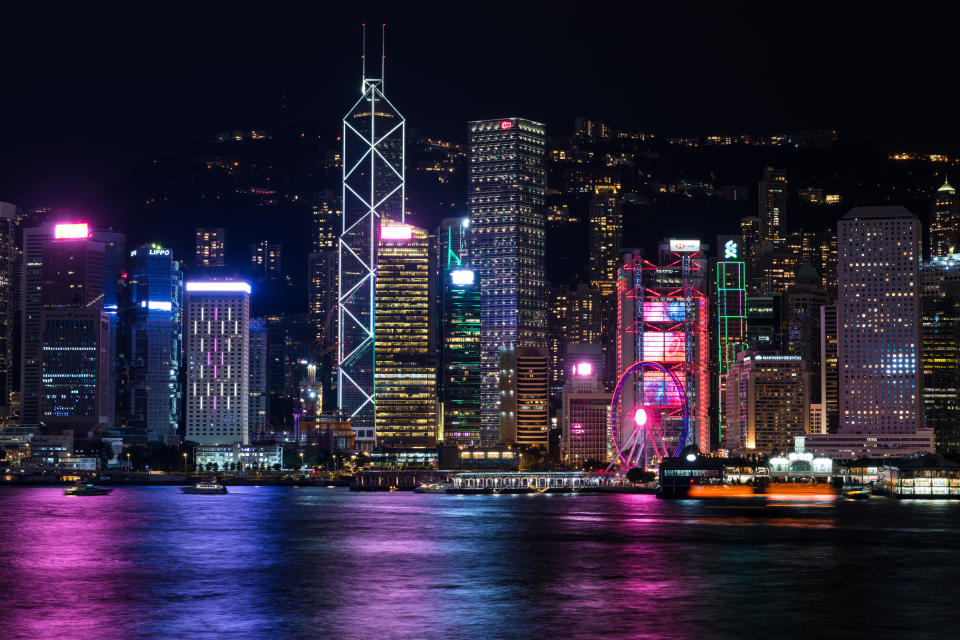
x=731 y=320
x=459 y=383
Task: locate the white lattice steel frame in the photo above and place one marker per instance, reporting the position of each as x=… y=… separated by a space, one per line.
x=374 y=166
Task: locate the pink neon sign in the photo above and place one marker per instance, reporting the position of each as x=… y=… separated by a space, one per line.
x=506 y=124
x=71 y=231
x=399 y=232
x=583 y=369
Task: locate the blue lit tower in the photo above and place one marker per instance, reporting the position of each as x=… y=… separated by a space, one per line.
x=154 y=341
x=373 y=190
x=506 y=186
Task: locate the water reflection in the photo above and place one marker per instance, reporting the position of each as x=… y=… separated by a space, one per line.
x=265 y=562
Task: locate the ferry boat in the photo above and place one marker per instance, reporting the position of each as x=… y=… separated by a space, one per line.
x=856 y=494
x=82 y=488
x=206 y=487
x=433 y=487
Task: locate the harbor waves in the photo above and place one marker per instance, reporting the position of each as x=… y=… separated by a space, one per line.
x=289 y=562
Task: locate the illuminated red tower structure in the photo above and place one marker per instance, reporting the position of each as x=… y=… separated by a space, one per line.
x=664 y=318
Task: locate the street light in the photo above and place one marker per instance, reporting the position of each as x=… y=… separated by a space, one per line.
x=184 y=461
x=301 y=459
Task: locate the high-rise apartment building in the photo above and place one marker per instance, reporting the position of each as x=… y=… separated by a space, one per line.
x=154 y=343
x=210 y=247
x=506 y=186
x=216 y=357
x=65 y=336
x=405 y=364
x=373 y=192
x=878 y=315
x=944 y=222
x=940 y=349
x=772 y=207
x=458 y=370
x=524 y=390
x=767 y=402
x=8 y=298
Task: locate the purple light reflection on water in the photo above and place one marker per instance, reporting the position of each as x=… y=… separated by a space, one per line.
x=275 y=562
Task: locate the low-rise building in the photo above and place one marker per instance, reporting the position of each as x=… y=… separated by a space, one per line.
x=927 y=476
x=850 y=446
x=237 y=456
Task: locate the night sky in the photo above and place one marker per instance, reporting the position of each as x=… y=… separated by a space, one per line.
x=90 y=90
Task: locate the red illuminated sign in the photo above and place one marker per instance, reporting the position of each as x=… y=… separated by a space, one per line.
x=506 y=124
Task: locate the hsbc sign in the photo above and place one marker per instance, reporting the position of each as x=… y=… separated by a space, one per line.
x=685 y=246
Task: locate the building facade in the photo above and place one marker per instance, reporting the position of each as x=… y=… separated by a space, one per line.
x=506 y=186
x=768 y=402
x=9 y=265
x=405 y=364
x=586 y=417
x=209 y=248
x=944 y=222
x=878 y=319
x=731 y=333
x=524 y=391
x=257 y=407
x=154 y=343
x=216 y=358
x=940 y=349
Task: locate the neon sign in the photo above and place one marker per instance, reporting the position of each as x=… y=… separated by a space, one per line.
x=506 y=124
x=730 y=250
x=583 y=369
x=235 y=287
x=72 y=231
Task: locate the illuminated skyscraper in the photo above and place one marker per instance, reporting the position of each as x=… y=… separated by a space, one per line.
x=664 y=318
x=373 y=191
x=154 y=338
x=606 y=233
x=405 y=365
x=65 y=337
x=114 y=265
x=767 y=402
x=217 y=352
x=524 y=387
x=750 y=253
x=800 y=324
x=878 y=315
x=322 y=273
x=209 y=248
x=940 y=356
x=459 y=315
x=829 y=370
x=731 y=319
x=257 y=407
x=944 y=222
x=266 y=260
x=772 y=206
x=8 y=297
x=506 y=198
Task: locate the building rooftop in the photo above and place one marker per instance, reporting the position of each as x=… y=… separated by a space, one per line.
x=889 y=211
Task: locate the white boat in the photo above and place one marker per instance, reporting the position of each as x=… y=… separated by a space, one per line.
x=209 y=487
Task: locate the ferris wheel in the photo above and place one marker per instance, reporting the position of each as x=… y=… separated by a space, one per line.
x=658 y=428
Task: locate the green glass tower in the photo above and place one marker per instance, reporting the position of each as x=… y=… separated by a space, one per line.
x=460 y=373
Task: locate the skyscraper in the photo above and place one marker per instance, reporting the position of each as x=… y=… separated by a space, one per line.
x=940 y=355
x=605 y=236
x=878 y=315
x=767 y=401
x=322 y=276
x=216 y=357
x=944 y=222
x=800 y=322
x=373 y=192
x=405 y=365
x=266 y=260
x=65 y=349
x=772 y=206
x=209 y=247
x=8 y=268
x=524 y=387
x=114 y=265
x=731 y=320
x=154 y=339
x=586 y=414
x=458 y=370
x=257 y=409
x=506 y=185
x=829 y=370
